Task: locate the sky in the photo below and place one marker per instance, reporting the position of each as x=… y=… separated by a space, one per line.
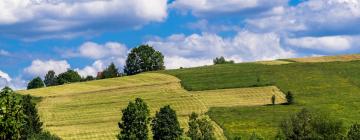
x=87 y=35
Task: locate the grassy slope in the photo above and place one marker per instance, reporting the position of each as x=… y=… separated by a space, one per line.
x=91 y=110
x=325 y=87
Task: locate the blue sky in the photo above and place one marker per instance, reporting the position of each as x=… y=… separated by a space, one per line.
x=87 y=35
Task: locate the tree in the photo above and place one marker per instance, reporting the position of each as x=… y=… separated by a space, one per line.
x=165 y=125
x=135 y=121
x=12 y=118
x=200 y=128
x=221 y=60
x=87 y=78
x=111 y=71
x=289 y=98
x=194 y=131
x=143 y=58
x=50 y=79
x=69 y=76
x=33 y=124
x=35 y=83
x=354 y=132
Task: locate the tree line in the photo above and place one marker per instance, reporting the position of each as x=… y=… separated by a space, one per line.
x=141 y=59
x=164 y=125
x=19 y=118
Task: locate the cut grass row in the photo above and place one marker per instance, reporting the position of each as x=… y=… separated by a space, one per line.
x=91 y=110
x=331 y=88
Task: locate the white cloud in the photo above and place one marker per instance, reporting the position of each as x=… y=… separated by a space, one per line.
x=209 y=8
x=40 y=68
x=98 y=51
x=330 y=44
x=6 y=80
x=198 y=50
x=319 y=17
x=68 y=18
x=4 y=53
x=92 y=70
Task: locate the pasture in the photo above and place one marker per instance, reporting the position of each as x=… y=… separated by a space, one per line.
x=331 y=88
x=91 y=110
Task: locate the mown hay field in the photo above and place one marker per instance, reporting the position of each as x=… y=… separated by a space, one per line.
x=91 y=110
x=351 y=57
x=331 y=88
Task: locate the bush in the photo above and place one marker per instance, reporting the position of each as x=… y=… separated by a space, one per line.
x=255 y=136
x=200 y=129
x=354 y=132
x=306 y=125
x=165 y=125
x=35 y=83
x=289 y=98
x=44 y=136
x=135 y=120
x=143 y=58
x=69 y=76
x=221 y=60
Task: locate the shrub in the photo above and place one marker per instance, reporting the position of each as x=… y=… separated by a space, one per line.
x=44 y=136
x=135 y=120
x=354 y=132
x=255 y=136
x=200 y=129
x=306 y=125
x=289 y=97
x=165 y=125
x=35 y=83
x=143 y=58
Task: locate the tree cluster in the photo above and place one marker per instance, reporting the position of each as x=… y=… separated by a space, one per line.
x=164 y=126
x=221 y=60
x=110 y=72
x=308 y=125
x=19 y=118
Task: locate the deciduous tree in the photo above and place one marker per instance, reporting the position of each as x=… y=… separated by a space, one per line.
x=35 y=83
x=50 y=79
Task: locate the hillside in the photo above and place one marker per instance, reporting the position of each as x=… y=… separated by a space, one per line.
x=91 y=110
x=331 y=88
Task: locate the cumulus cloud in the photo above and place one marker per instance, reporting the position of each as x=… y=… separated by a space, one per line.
x=68 y=18
x=97 y=51
x=6 y=80
x=209 y=8
x=329 y=44
x=41 y=67
x=103 y=54
x=4 y=53
x=314 y=17
x=200 y=49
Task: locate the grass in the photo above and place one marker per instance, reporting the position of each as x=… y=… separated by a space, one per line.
x=351 y=57
x=91 y=110
x=331 y=88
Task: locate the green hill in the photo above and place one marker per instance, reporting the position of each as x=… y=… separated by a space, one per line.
x=331 y=88
x=92 y=110
x=233 y=95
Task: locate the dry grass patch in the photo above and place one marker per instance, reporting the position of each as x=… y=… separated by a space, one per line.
x=328 y=58
x=91 y=110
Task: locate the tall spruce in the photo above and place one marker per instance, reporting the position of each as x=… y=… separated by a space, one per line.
x=35 y=83
x=111 y=71
x=143 y=58
x=135 y=120
x=33 y=124
x=50 y=79
x=165 y=125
